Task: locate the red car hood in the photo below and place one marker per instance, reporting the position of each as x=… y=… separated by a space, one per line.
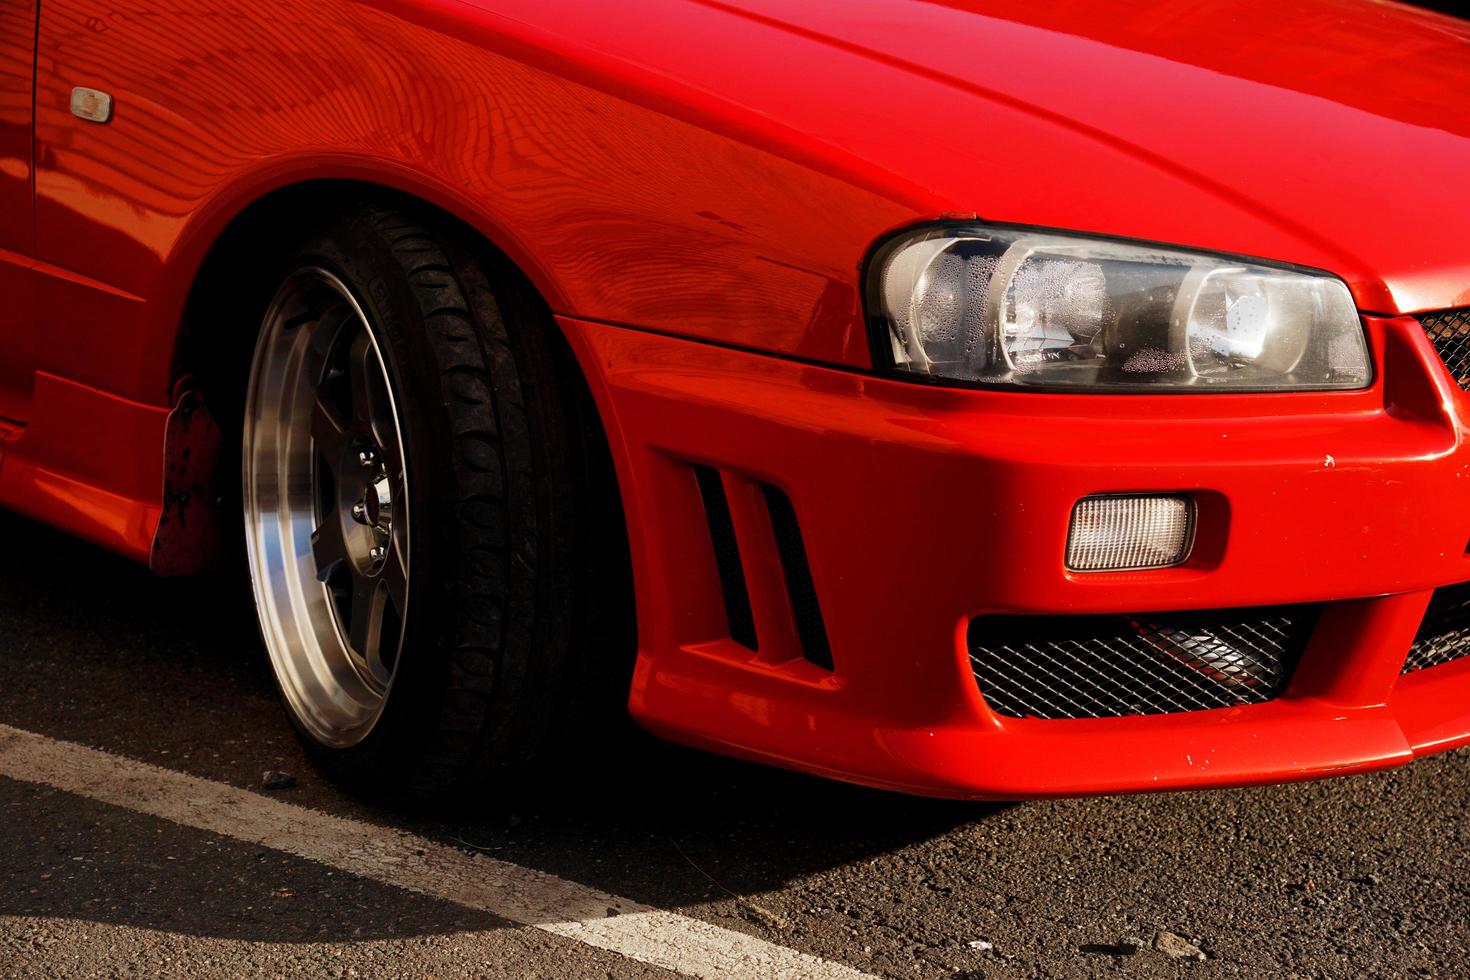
x=1337 y=131
x=1331 y=133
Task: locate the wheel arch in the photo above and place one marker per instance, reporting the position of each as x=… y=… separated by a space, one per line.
x=285 y=199
x=274 y=208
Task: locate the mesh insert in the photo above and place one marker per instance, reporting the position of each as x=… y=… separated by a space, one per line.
x=1444 y=635
x=1150 y=664
x=1449 y=332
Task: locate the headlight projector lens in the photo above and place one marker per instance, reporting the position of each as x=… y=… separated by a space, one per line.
x=1041 y=309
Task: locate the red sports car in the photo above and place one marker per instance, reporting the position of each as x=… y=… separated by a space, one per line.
x=983 y=398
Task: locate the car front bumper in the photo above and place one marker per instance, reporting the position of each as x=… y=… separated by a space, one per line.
x=922 y=508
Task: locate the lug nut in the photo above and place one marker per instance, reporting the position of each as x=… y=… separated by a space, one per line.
x=379 y=552
x=367 y=457
x=359 y=512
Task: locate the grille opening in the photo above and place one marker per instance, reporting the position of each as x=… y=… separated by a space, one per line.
x=1449 y=332
x=733 y=585
x=1056 y=667
x=811 y=629
x=1444 y=633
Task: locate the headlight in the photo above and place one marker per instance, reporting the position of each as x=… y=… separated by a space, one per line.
x=1041 y=309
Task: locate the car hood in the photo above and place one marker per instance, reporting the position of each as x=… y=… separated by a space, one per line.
x=1327 y=132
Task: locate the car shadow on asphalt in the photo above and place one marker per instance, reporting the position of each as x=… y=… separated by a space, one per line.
x=72 y=858
x=94 y=649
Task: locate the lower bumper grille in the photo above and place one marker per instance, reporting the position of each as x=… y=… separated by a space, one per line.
x=1113 y=666
x=1444 y=635
x=1449 y=332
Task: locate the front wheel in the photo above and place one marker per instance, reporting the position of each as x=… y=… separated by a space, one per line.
x=419 y=491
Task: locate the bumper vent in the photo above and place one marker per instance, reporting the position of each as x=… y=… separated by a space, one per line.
x=1114 y=666
x=1444 y=635
x=746 y=560
x=1449 y=332
x=811 y=628
x=727 y=556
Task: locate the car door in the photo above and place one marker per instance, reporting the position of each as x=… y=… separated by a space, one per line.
x=17 y=208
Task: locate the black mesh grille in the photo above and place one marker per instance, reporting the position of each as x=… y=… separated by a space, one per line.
x=1449 y=331
x=1444 y=635
x=1152 y=664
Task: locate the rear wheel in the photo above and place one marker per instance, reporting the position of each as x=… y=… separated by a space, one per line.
x=421 y=489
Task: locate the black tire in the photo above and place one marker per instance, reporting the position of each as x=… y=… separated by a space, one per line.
x=517 y=549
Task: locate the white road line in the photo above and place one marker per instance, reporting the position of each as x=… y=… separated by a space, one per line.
x=394 y=857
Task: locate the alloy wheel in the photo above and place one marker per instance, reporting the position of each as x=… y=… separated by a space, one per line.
x=326 y=507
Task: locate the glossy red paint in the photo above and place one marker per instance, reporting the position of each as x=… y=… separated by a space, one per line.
x=17 y=55
x=924 y=508
x=671 y=173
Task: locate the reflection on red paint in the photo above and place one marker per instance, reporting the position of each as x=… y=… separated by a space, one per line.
x=710 y=171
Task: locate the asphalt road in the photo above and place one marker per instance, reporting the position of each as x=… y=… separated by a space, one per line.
x=1368 y=875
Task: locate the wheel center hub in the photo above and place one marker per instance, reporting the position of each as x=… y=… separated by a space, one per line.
x=375 y=507
x=377 y=504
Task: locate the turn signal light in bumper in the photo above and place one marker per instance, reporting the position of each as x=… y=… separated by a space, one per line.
x=1115 y=533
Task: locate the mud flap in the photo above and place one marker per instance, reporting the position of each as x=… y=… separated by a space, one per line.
x=189 y=530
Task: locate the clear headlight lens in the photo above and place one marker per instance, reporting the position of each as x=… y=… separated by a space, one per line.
x=1029 y=308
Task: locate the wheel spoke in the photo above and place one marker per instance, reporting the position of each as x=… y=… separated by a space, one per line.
x=380 y=671
x=330 y=322
x=303 y=314
x=328 y=548
x=362 y=366
x=366 y=627
x=328 y=428
x=392 y=455
x=398 y=493
x=394 y=576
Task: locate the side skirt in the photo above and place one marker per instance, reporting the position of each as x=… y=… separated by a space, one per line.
x=94 y=464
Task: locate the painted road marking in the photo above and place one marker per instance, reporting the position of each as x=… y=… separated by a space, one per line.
x=394 y=857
